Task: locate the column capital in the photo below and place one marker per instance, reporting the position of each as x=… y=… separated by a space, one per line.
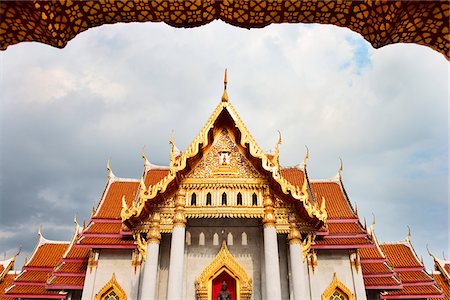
x=154 y=233
x=269 y=219
x=294 y=236
x=179 y=218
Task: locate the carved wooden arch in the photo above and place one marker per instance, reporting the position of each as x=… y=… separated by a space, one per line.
x=223 y=262
x=111 y=285
x=337 y=285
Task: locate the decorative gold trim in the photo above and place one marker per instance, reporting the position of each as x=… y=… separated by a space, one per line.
x=306 y=245
x=178 y=163
x=223 y=262
x=312 y=260
x=111 y=285
x=336 y=284
x=93 y=260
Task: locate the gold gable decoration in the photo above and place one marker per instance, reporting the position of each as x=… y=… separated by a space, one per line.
x=179 y=162
x=224 y=261
x=336 y=289
x=224 y=160
x=112 y=286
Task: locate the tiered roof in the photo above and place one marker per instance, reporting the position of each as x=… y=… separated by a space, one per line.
x=105 y=227
x=442 y=275
x=417 y=283
x=70 y=272
x=6 y=274
x=31 y=282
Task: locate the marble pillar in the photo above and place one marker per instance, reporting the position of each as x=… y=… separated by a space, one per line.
x=150 y=276
x=176 y=267
x=271 y=260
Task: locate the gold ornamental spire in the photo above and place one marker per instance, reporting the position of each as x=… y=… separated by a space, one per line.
x=225 y=82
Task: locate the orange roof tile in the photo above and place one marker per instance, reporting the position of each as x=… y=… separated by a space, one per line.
x=447 y=268
x=414 y=276
x=105 y=241
x=400 y=255
x=32 y=289
x=77 y=253
x=336 y=205
x=380 y=281
x=48 y=255
x=294 y=175
x=111 y=205
x=67 y=280
x=342 y=228
x=375 y=268
x=370 y=253
x=72 y=267
x=1 y=268
x=343 y=241
x=154 y=176
x=104 y=228
x=33 y=276
x=443 y=284
x=415 y=290
x=5 y=283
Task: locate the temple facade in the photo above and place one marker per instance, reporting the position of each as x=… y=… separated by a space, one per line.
x=224 y=221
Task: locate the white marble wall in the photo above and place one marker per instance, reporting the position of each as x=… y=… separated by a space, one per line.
x=198 y=256
x=109 y=262
x=330 y=262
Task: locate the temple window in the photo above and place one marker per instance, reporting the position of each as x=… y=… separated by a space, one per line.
x=208 y=199
x=111 y=296
x=244 y=239
x=216 y=239
x=194 y=199
x=254 y=199
x=224 y=198
x=229 y=239
x=201 y=239
x=188 y=238
x=337 y=296
x=239 y=198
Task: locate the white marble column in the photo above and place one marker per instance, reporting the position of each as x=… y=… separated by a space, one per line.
x=298 y=264
x=176 y=268
x=150 y=276
x=271 y=260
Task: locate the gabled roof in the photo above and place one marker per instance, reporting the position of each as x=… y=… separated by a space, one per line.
x=442 y=275
x=417 y=283
x=70 y=272
x=179 y=164
x=30 y=283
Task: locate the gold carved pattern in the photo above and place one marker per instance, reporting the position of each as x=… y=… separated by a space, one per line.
x=179 y=218
x=211 y=165
x=224 y=261
x=337 y=285
x=294 y=234
x=269 y=219
x=312 y=260
x=111 y=286
x=136 y=260
x=355 y=260
x=141 y=244
x=247 y=141
x=306 y=244
x=93 y=260
x=379 y=22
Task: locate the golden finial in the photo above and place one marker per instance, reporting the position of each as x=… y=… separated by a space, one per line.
x=408 y=237
x=365 y=223
x=142 y=184
x=429 y=252
x=146 y=161
x=443 y=255
x=356 y=209
x=124 y=203
x=306 y=156
x=373 y=220
x=276 y=156
x=18 y=252
x=341 y=167
x=225 y=82
x=75 y=220
x=110 y=172
x=84 y=223
x=93 y=210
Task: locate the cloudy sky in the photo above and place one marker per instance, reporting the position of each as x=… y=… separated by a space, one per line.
x=113 y=89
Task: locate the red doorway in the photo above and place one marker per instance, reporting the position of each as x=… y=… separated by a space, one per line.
x=217 y=285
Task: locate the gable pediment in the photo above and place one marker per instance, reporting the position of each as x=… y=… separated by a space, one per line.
x=224 y=160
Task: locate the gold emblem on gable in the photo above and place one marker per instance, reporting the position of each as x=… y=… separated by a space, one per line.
x=224 y=159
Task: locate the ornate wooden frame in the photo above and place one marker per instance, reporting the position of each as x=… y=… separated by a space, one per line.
x=336 y=284
x=223 y=262
x=111 y=285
